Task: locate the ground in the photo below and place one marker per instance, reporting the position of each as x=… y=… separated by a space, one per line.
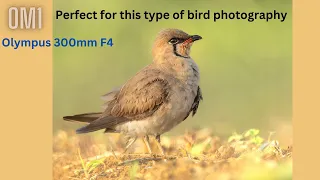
x=195 y=155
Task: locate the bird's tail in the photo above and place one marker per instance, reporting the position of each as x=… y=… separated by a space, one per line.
x=85 y=118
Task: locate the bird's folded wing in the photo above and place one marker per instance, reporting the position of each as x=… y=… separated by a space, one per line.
x=139 y=99
x=109 y=97
x=195 y=103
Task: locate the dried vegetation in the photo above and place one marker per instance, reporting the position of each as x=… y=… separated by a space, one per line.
x=197 y=155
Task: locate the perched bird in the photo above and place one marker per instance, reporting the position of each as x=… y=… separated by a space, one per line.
x=157 y=98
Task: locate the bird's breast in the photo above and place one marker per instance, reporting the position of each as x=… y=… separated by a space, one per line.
x=184 y=89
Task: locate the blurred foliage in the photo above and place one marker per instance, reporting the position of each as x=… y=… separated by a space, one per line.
x=245 y=67
x=197 y=154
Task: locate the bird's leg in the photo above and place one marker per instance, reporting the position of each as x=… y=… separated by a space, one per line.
x=146 y=142
x=129 y=143
x=158 y=142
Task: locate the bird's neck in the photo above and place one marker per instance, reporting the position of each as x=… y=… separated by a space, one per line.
x=179 y=67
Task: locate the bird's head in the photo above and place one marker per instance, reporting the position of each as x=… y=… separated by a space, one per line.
x=173 y=43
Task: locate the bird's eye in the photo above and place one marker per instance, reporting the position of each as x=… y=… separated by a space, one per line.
x=173 y=41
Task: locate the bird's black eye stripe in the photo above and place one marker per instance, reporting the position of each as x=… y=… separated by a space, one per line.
x=175 y=40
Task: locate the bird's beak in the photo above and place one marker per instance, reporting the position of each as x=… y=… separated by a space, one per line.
x=195 y=37
x=192 y=39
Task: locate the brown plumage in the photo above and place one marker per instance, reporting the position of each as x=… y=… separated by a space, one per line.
x=157 y=98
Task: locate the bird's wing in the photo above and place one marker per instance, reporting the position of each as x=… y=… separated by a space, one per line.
x=139 y=98
x=196 y=102
x=109 y=97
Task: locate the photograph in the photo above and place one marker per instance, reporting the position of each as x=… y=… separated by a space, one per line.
x=177 y=90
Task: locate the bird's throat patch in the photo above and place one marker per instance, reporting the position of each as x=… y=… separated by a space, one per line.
x=176 y=52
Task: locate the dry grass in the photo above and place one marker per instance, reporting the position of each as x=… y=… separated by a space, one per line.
x=195 y=155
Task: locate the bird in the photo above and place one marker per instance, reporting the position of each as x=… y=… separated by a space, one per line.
x=156 y=99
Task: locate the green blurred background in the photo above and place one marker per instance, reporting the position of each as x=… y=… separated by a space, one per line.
x=245 y=67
